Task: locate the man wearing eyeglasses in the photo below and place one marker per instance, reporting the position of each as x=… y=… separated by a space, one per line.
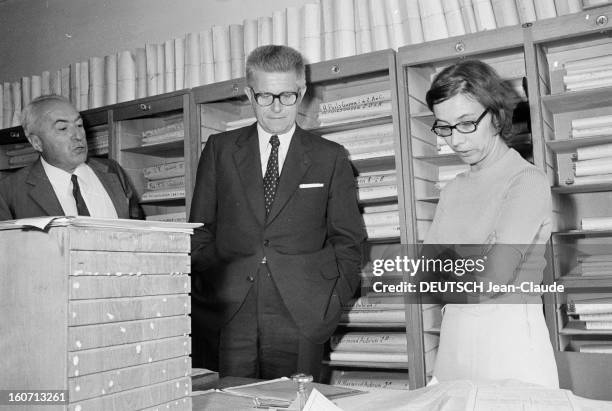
x=280 y=249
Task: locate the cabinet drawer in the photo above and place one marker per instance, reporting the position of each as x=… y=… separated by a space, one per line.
x=88 y=287
x=105 y=359
x=105 y=335
x=109 y=240
x=126 y=263
x=90 y=386
x=108 y=310
x=138 y=398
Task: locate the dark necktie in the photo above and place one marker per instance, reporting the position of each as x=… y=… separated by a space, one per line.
x=272 y=175
x=80 y=202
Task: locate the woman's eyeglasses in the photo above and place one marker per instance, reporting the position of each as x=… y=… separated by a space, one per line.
x=464 y=127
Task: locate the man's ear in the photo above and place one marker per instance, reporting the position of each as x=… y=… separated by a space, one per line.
x=249 y=93
x=36 y=142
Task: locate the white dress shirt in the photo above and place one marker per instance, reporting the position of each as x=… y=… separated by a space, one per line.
x=96 y=198
x=265 y=148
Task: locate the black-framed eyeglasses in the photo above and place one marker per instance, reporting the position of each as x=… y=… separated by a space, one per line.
x=464 y=127
x=286 y=98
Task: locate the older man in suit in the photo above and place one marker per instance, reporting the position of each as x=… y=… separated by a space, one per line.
x=63 y=181
x=280 y=249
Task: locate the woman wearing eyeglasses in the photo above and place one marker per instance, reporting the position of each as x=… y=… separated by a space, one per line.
x=502 y=203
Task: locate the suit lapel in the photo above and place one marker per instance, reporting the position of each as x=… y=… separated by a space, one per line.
x=295 y=166
x=248 y=164
x=113 y=187
x=42 y=191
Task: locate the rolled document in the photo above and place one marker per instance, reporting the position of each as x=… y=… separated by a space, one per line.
x=192 y=60
x=279 y=28
x=454 y=19
x=126 y=77
x=592 y=122
x=363 y=35
x=344 y=43
x=596 y=179
x=84 y=86
x=66 y=81
x=545 y=9
x=395 y=15
x=294 y=27
x=207 y=66
x=593 y=167
x=380 y=28
x=26 y=91
x=96 y=82
x=588 y=64
x=605 y=130
x=179 y=63
x=264 y=31
x=591 y=152
x=415 y=29
x=597 y=223
x=311 y=22
x=16 y=98
x=169 y=75
x=433 y=21
x=36 y=84
x=505 y=12
x=161 y=69
x=75 y=84
x=7 y=105
x=469 y=17
x=250 y=36
x=221 y=53
x=485 y=19
x=55 y=83
x=152 y=74
x=141 y=72
x=328 y=15
x=237 y=50
x=526 y=10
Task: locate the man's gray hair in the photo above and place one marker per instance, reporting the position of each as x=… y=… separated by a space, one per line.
x=32 y=112
x=274 y=58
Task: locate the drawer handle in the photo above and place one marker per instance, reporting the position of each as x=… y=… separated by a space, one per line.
x=459 y=47
x=601 y=20
x=14 y=134
x=335 y=69
x=144 y=107
x=235 y=88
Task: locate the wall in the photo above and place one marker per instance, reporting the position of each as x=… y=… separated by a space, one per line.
x=37 y=35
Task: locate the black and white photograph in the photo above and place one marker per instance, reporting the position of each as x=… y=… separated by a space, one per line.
x=306 y=205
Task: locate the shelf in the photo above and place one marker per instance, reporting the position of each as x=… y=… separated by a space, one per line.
x=351 y=125
x=579 y=233
x=386 y=240
x=570 y=145
x=584 y=282
x=582 y=188
x=379 y=200
x=368 y=364
x=432 y=199
x=173 y=148
x=578 y=100
x=442 y=159
x=571 y=329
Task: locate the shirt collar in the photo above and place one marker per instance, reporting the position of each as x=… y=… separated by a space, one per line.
x=57 y=174
x=264 y=136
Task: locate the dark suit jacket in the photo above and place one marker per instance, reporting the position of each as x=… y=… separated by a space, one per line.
x=29 y=193
x=311 y=238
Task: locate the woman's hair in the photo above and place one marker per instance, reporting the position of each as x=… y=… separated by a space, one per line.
x=480 y=81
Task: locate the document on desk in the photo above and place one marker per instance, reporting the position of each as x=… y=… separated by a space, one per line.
x=318 y=402
x=283 y=391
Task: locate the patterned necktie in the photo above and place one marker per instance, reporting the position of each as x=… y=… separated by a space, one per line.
x=272 y=176
x=80 y=202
